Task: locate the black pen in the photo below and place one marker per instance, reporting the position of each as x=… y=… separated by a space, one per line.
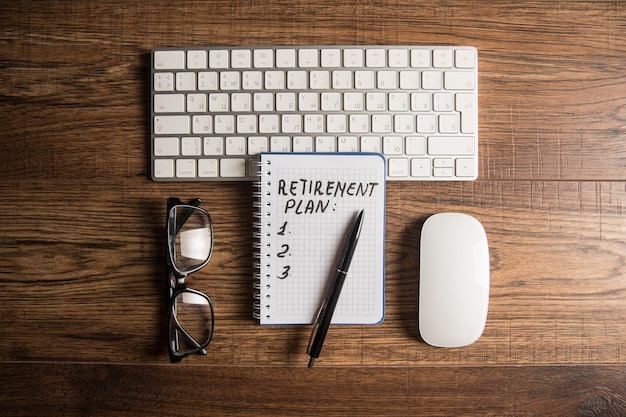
x=325 y=313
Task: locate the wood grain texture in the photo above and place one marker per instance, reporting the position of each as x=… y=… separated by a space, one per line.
x=127 y=390
x=557 y=284
x=82 y=297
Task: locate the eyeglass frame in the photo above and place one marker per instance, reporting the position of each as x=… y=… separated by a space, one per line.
x=176 y=282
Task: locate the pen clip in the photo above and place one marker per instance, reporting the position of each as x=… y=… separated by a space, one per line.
x=316 y=324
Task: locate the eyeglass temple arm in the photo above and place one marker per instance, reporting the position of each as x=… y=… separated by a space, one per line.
x=188 y=337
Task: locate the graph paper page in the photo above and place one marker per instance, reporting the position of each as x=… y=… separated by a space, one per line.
x=308 y=203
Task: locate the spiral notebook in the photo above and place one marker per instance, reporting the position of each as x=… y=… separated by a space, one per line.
x=306 y=203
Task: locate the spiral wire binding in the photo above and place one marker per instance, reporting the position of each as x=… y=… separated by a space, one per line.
x=261 y=251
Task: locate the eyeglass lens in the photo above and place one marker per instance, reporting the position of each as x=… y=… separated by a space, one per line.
x=192 y=238
x=194 y=315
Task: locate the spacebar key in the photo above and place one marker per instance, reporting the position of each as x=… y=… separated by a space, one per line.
x=451 y=145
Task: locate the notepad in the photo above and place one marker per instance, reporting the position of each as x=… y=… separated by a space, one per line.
x=306 y=204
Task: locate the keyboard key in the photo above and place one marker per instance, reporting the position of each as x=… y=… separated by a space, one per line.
x=420 y=167
x=163 y=168
x=196 y=103
x=466 y=104
x=449 y=123
x=252 y=80
x=297 y=80
x=314 y=123
x=218 y=59
x=263 y=58
x=241 y=102
x=186 y=168
x=431 y=80
x=465 y=167
x=325 y=144
x=207 y=81
x=280 y=144
x=169 y=103
x=308 y=58
x=224 y=124
x=370 y=144
x=443 y=163
x=443 y=102
x=201 y=125
x=166 y=146
x=331 y=58
x=375 y=58
x=229 y=80
x=257 y=144
x=426 y=123
x=331 y=102
x=233 y=168
x=398 y=102
x=185 y=81
x=451 y=145
x=404 y=123
x=246 y=123
x=381 y=123
x=364 y=80
x=465 y=58
x=415 y=145
x=353 y=101
x=286 y=58
x=409 y=80
x=420 y=58
x=269 y=123
x=219 y=102
x=336 y=123
x=241 y=58
x=443 y=58
x=171 y=125
x=398 y=58
x=387 y=80
x=207 y=168
x=163 y=81
x=196 y=59
x=274 y=80
x=392 y=145
x=443 y=172
x=190 y=146
x=319 y=80
x=421 y=102
x=308 y=101
x=348 y=144
x=376 y=101
x=214 y=145
x=398 y=167
x=263 y=102
x=169 y=60
x=342 y=80
x=353 y=58
x=303 y=144
x=459 y=80
x=235 y=145
x=292 y=123
x=359 y=123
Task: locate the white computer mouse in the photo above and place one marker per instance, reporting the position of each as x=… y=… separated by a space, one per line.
x=454 y=280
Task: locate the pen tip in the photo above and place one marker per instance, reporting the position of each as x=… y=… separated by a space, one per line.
x=311 y=362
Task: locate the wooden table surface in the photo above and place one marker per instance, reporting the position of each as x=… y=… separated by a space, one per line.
x=82 y=304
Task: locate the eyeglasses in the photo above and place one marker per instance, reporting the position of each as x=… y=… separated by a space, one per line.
x=189 y=248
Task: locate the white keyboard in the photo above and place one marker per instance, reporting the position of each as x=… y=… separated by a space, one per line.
x=215 y=109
